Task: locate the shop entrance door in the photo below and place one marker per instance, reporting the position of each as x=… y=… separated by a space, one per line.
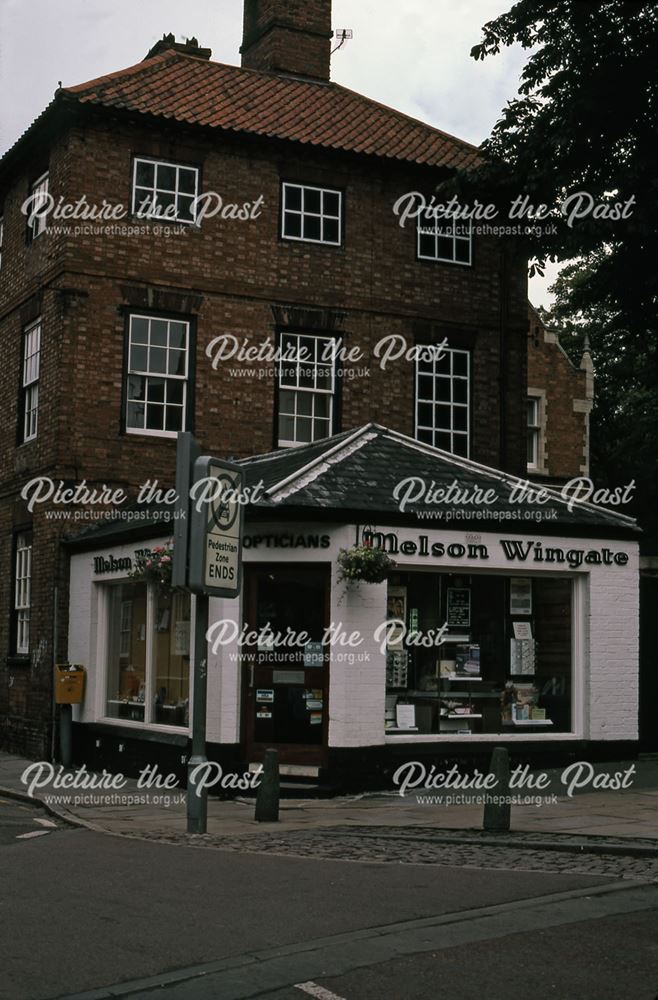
x=285 y=670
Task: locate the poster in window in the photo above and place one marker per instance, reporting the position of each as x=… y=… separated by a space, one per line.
x=522 y=656
x=520 y=595
x=459 y=607
x=396 y=608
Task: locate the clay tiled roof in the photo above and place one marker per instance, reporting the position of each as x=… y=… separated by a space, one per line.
x=192 y=90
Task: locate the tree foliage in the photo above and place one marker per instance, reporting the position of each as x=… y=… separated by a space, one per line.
x=586 y=120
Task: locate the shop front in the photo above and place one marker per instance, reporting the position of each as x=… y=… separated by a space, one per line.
x=475 y=638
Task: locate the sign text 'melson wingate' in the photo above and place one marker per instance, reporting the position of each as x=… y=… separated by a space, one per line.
x=514 y=550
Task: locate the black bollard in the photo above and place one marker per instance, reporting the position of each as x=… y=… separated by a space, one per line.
x=267 y=796
x=496 y=814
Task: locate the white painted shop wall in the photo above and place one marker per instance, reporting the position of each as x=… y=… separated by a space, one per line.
x=605 y=637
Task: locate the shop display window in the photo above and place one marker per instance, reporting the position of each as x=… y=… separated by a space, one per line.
x=148 y=667
x=478 y=654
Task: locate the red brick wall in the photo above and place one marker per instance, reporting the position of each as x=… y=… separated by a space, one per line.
x=226 y=277
x=288 y=36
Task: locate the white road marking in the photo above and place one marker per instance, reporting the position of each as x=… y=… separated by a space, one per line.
x=34 y=833
x=44 y=822
x=314 y=990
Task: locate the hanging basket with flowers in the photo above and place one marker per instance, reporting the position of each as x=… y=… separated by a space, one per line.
x=154 y=565
x=364 y=563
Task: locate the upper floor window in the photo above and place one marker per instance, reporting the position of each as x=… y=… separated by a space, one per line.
x=444 y=240
x=165 y=190
x=311 y=214
x=443 y=399
x=157 y=373
x=534 y=432
x=29 y=408
x=23 y=592
x=307 y=383
x=37 y=220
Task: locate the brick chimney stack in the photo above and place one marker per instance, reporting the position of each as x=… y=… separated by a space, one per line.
x=288 y=36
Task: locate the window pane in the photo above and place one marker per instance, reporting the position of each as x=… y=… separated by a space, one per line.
x=442 y=417
x=187 y=181
x=425 y=414
x=460 y=418
x=144 y=201
x=427 y=245
x=312 y=200
x=293 y=198
x=459 y=363
x=443 y=441
x=286 y=401
x=158 y=360
x=443 y=386
x=170 y=682
x=135 y=415
x=156 y=390
x=444 y=248
x=331 y=203
x=136 y=387
x=322 y=406
x=126 y=664
x=425 y=387
x=463 y=251
x=154 y=417
x=312 y=227
x=304 y=430
x=175 y=392
x=177 y=334
x=330 y=231
x=174 y=418
x=292 y=224
x=165 y=178
x=286 y=428
x=139 y=329
x=460 y=390
x=159 y=329
x=166 y=205
x=305 y=403
x=138 y=355
x=185 y=209
x=145 y=174
x=460 y=445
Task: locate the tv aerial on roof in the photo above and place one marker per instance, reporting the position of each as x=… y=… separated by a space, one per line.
x=343 y=35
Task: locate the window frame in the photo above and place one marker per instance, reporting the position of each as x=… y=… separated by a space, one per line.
x=303 y=186
x=435 y=259
x=177 y=165
x=22 y=592
x=333 y=393
x=29 y=389
x=150 y=629
x=467 y=406
x=39 y=225
x=537 y=430
x=188 y=380
x=2 y=237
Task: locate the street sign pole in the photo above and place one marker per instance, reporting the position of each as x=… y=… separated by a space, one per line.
x=207 y=562
x=197 y=798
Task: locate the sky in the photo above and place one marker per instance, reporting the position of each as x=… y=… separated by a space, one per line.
x=413 y=56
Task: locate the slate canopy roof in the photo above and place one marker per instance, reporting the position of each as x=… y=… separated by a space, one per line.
x=351 y=478
x=358 y=472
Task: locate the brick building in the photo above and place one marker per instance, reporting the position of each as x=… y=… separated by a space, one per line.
x=119 y=333
x=560 y=398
